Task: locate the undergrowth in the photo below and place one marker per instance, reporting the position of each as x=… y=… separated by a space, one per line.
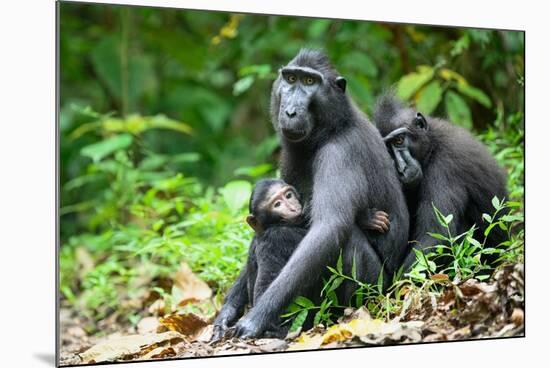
x=140 y=217
x=464 y=251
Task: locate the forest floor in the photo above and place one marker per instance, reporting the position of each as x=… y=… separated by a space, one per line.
x=467 y=310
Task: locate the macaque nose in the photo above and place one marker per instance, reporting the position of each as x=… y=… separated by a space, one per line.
x=290 y=112
x=296 y=208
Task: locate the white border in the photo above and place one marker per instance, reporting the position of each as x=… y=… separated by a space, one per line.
x=27 y=180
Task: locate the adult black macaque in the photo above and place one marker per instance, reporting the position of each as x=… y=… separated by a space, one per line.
x=277 y=219
x=339 y=164
x=440 y=163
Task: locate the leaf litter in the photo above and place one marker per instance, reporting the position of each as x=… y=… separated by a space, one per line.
x=467 y=310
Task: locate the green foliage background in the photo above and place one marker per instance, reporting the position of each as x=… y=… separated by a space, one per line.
x=165 y=125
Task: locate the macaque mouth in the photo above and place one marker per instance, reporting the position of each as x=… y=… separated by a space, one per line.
x=294 y=135
x=296 y=220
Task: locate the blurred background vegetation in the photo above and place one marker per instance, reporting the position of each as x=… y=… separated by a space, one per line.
x=165 y=126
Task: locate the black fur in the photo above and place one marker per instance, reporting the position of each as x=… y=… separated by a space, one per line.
x=269 y=251
x=459 y=175
x=340 y=168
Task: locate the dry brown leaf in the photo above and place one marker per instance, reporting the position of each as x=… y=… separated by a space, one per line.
x=272 y=345
x=306 y=342
x=356 y=327
x=147 y=325
x=460 y=333
x=335 y=333
x=117 y=348
x=188 y=287
x=434 y=337
x=362 y=327
x=161 y=352
x=396 y=331
x=506 y=330
x=361 y=313
x=473 y=287
x=77 y=332
x=157 y=307
x=517 y=316
x=205 y=334
x=188 y=324
x=440 y=277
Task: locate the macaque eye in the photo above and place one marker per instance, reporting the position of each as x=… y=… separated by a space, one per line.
x=291 y=78
x=309 y=81
x=277 y=204
x=289 y=195
x=398 y=141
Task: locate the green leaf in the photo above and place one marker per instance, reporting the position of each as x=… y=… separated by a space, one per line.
x=419 y=254
x=98 y=151
x=317 y=318
x=236 y=194
x=254 y=171
x=487 y=218
x=513 y=204
x=185 y=157
x=299 y=320
x=460 y=45
x=361 y=62
x=496 y=203
x=261 y=70
x=448 y=219
x=449 y=75
x=412 y=82
x=216 y=118
x=326 y=284
x=302 y=301
x=331 y=297
x=335 y=284
x=128 y=82
x=339 y=264
x=318 y=27
x=162 y=122
x=432 y=266
x=105 y=59
x=158 y=224
x=474 y=93
x=293 y=308
x=354 y=269
x=429 y=97
x=134 y=124
x=437 y=236
x=380 y=281
x=439 y=216
x=458 y=110
x=489 y=228
x=511 y=218
x=474 y=242
x=358 y=300
x=242 y=85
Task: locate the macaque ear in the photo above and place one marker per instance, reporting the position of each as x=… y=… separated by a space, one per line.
x=420 y=121
x=341 y=83
x=253 y=222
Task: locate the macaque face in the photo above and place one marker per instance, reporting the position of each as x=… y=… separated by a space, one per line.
x=278 y=204
x=283 y=201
